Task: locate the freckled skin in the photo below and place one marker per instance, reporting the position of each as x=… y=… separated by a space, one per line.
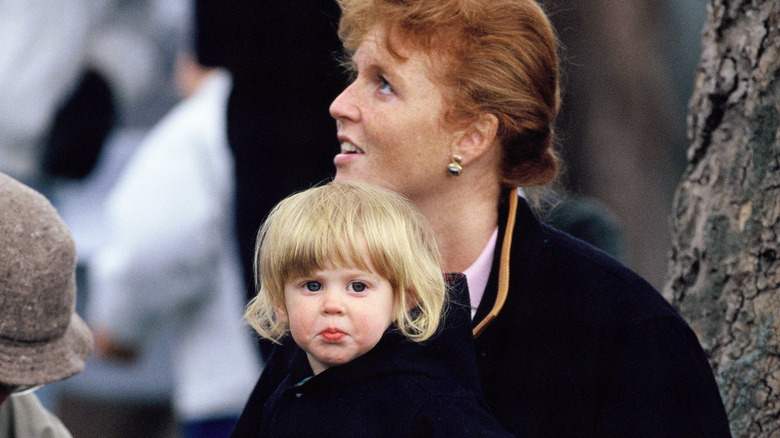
x=393 y=112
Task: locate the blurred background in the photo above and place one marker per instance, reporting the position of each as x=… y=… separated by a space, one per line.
x=83 y=84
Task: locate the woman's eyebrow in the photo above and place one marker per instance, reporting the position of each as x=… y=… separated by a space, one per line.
x=388 y=72
x=378 y=63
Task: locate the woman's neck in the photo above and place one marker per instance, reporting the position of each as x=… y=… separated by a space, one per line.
x=463 y=223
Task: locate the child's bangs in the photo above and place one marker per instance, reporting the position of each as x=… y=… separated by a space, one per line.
x=326 y=245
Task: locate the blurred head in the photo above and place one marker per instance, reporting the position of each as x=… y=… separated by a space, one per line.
x=42 y=339
x=494 y=57
x=348 y=225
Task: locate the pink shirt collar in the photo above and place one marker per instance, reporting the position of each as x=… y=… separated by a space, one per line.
x=477 y=274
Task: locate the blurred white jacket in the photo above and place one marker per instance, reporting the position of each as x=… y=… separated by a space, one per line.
x=171 y=256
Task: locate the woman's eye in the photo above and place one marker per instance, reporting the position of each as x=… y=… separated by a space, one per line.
x=357 y=286
x=385 y=86
x=313 y=286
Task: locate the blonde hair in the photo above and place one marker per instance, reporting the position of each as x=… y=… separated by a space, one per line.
x=498 y=57
x=349 y=224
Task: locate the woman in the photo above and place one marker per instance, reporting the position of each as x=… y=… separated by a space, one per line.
x=452 y=105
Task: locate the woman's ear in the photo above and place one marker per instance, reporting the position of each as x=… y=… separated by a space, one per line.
x=477 y=139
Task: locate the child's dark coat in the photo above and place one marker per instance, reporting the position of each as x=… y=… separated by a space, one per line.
x=398 y=389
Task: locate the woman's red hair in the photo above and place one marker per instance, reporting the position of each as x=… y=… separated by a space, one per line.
x=498 y=57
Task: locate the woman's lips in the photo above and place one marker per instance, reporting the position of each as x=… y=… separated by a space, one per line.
x=347 y=147
x=344 y=159
x=349 y=154
x=332 y=334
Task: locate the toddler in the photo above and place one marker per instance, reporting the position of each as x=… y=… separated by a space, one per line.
x=352 y=273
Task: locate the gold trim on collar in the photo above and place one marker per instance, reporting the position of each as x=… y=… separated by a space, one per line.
x=503 y=267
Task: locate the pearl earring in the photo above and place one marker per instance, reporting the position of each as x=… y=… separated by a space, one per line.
x=454 y=168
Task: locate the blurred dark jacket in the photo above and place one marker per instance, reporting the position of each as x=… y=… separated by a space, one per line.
x=284 y=61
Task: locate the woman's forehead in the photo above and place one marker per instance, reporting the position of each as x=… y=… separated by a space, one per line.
x=396 y=43
x=397 y=52
x=375 y=45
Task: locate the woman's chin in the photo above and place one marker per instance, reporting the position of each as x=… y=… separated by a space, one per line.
x=349 y=173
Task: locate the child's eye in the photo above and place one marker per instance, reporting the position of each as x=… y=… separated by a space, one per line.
x=357 y=286
x=313 y=286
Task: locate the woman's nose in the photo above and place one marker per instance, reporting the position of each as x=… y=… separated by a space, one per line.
x=343 y=106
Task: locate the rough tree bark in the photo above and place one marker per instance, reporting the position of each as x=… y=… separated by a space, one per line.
x=724 y=272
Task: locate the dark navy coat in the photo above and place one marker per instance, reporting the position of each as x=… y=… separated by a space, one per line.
x=583 y=347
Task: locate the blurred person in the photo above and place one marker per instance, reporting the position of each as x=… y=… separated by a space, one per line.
x=351 y=272
x=621 y=129
x=281 y=57
x=42 y=339
x=132 y=48
x=452 y=105
x=128 y=85
x=585 y=218
x=170 y=259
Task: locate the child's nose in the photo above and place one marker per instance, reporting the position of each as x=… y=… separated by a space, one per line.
x=333 y=303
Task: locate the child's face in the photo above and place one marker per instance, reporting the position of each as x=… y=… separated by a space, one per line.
x=336 y=315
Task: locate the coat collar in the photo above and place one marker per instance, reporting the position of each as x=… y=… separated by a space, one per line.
x=526 y=248
x=448 y=355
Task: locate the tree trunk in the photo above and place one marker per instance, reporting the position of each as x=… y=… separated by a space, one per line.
x=724 y=272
